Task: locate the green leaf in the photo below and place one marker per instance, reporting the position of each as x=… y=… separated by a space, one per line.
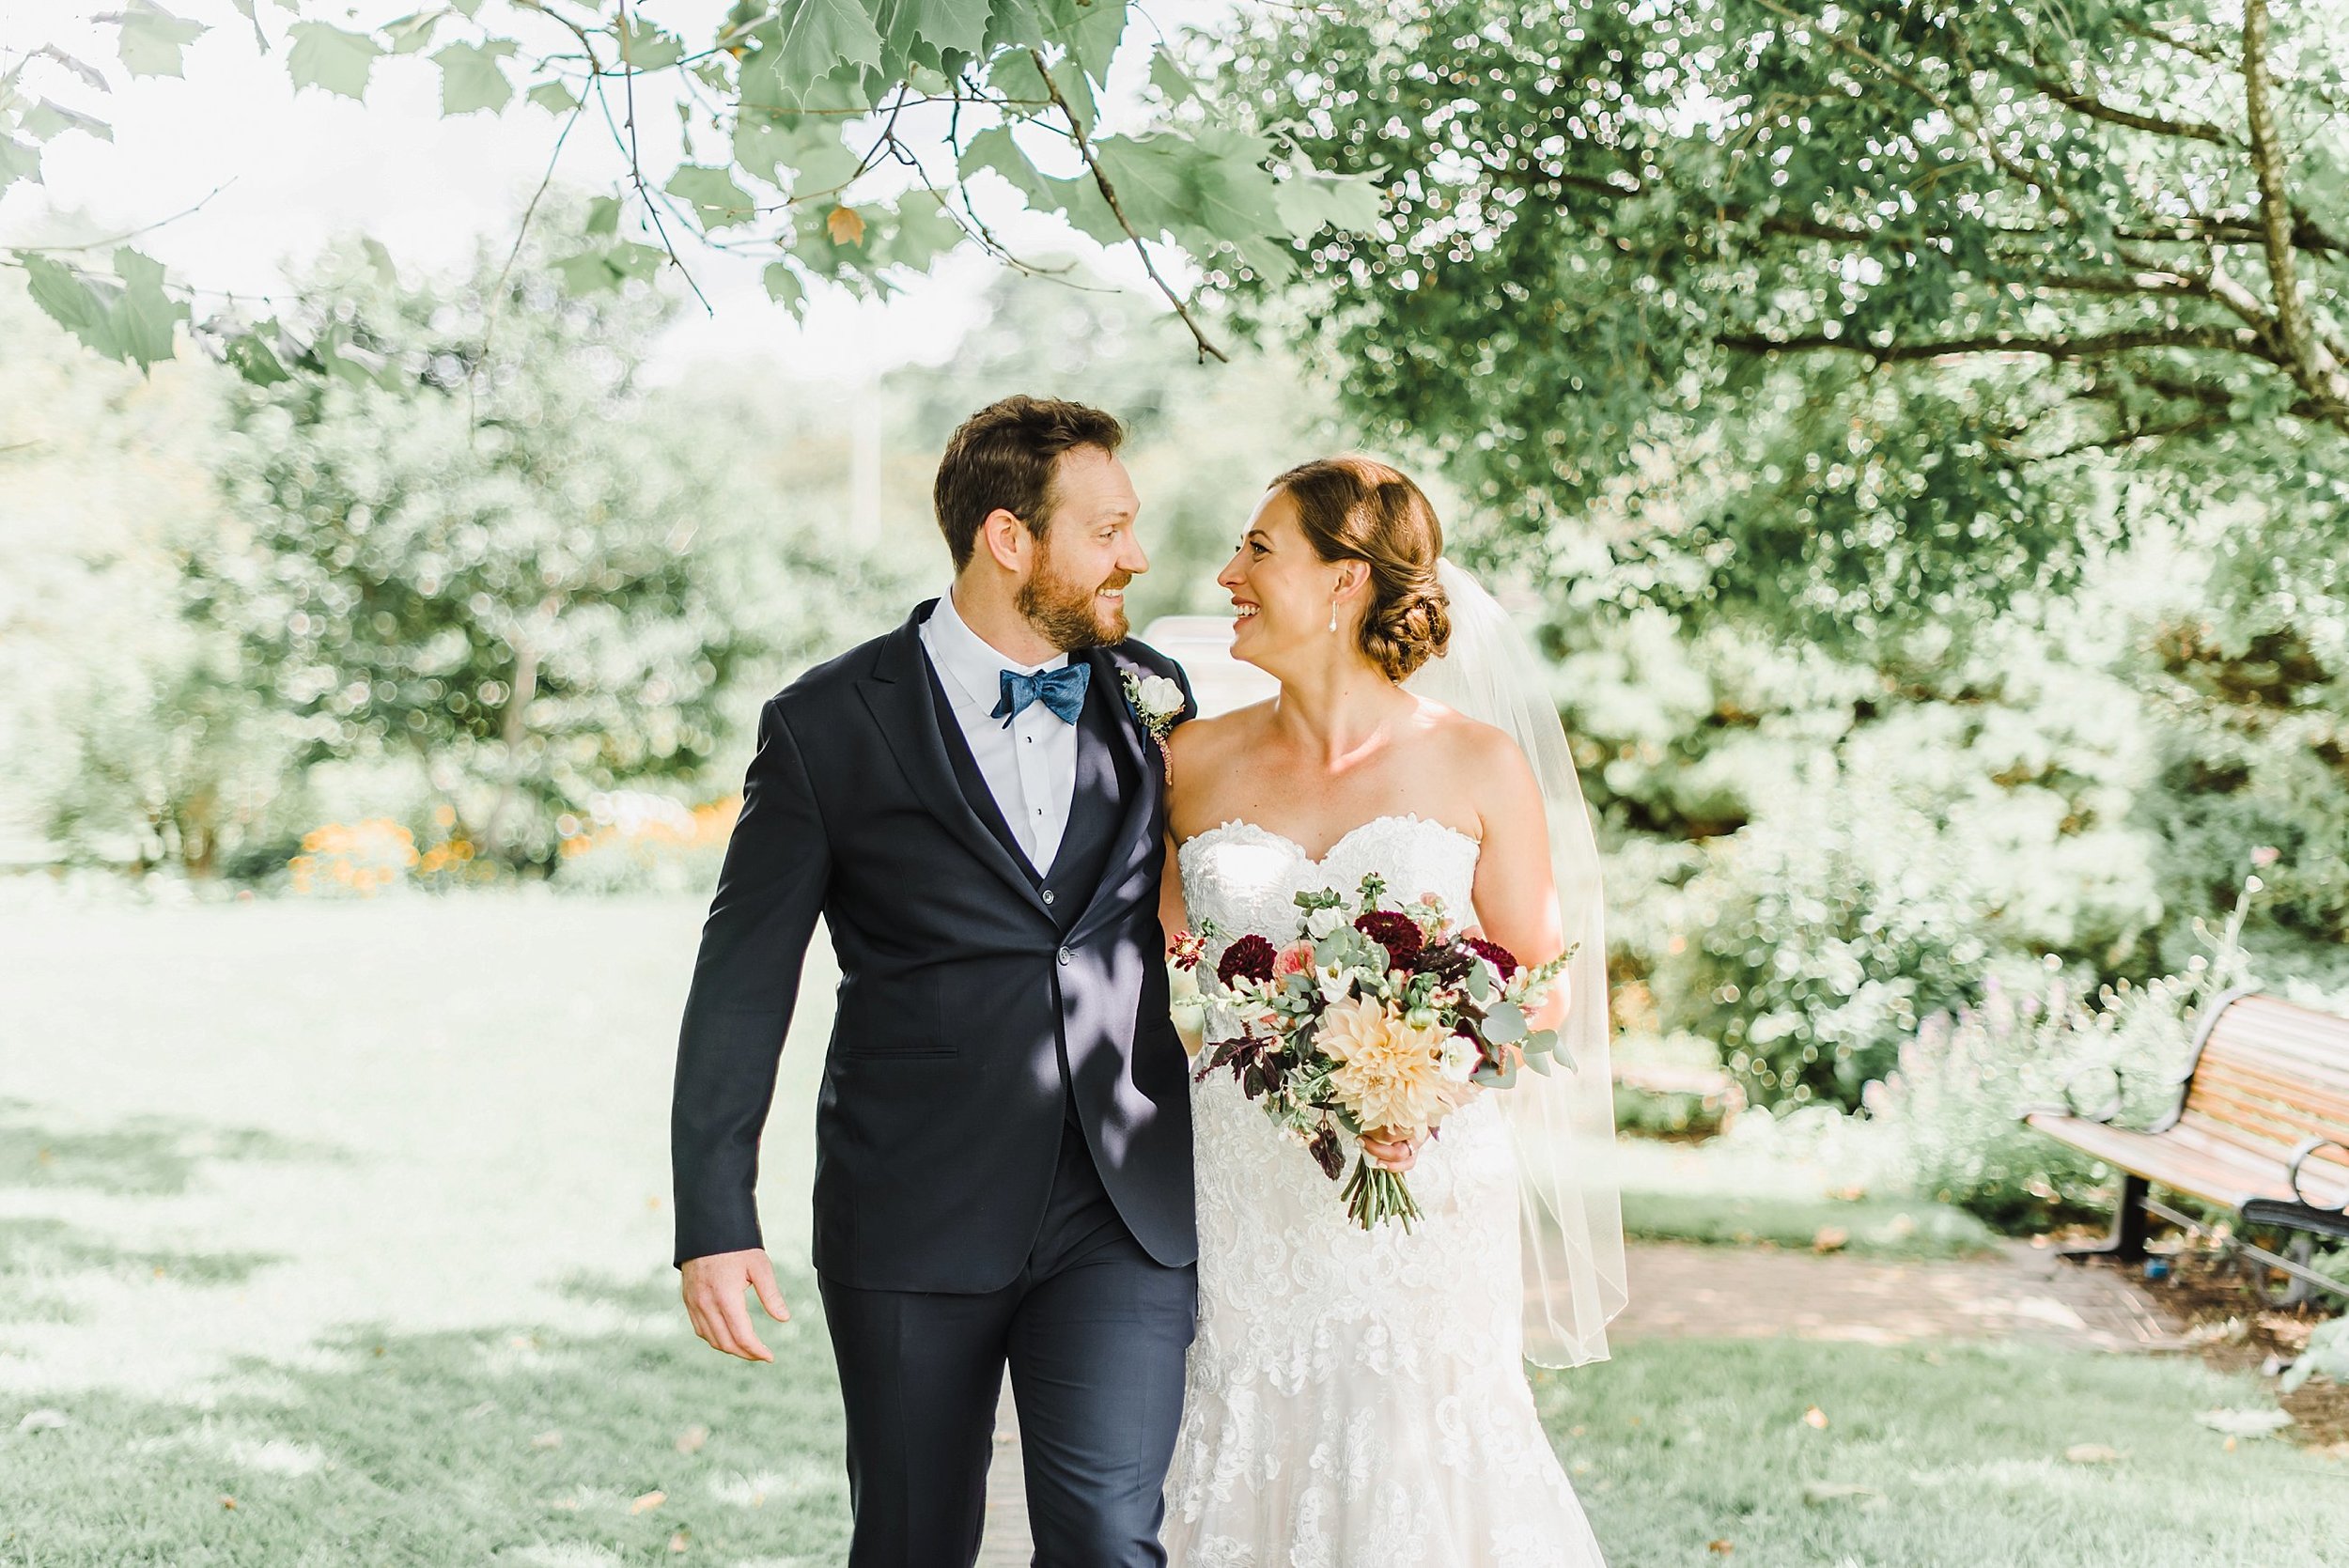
x=1015 y=24
x=817 y=36
x=783 y=285
x=995 y=149
x=379 y=258
x=648 y=48
x=253 y=355
x=1170 y=80
x=412 y=33
x=555 y=98
x=592 y=271
x=1088 y=30
x=131 y=319
x=152 y=39
x=90 y=75
x=470 y=77
x=775 y=147
x=17 y=161
x=1308 y=202
x=923 y=32
x=716 y=199
x=328 y=57
x=918 y=232
x=603 y=217
x=45 y=120
x=1015 y=77
x=1505 y=1023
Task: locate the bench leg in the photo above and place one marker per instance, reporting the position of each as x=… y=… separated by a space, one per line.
x=2127 y=1241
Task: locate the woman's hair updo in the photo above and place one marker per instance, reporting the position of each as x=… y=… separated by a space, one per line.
x=1355 y=508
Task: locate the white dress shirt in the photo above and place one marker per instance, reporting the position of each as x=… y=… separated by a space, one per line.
x=1031 y=767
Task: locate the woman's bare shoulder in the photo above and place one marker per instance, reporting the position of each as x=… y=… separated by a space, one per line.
x=1212 y=736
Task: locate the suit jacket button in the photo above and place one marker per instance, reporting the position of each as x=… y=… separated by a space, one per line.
x=1048 y=896
x=1066 y=954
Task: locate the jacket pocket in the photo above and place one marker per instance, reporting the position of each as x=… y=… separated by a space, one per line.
x=897 y=1021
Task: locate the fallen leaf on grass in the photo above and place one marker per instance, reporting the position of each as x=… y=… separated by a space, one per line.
x=692 y=1438
x=2092 y=1453
x=1849 y=1194
x=2246 y=1423
x=1815 y=1418
x=226 y=1501
x=547 y=1441
x=44 y=1421
x=649 y=1501
x=1815 y=1492
x=1830 y=1238
x=678 y=1541
x=1720 y=1549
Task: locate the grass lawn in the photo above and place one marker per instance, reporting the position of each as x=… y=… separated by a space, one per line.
x=1950 y=1457
x=354 y=1215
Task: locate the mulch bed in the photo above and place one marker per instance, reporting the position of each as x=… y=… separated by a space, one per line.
x=2231 y=1329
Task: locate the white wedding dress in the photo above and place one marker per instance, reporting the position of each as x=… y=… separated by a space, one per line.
x=1355 y=1399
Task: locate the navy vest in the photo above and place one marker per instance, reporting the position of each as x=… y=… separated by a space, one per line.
x=1106 y=779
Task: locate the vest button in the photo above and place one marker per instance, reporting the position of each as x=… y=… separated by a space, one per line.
x=1066 y=954
x=1048 y=896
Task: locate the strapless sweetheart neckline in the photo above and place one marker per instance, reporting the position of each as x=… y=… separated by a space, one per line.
x=1335 y=844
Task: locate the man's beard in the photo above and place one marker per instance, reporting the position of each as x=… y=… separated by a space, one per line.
x=1065 y=613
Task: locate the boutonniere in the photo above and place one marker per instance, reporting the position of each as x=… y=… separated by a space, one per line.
x=1157 y=702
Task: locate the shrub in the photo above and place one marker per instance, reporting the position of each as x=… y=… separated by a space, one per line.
x=1970 y=1074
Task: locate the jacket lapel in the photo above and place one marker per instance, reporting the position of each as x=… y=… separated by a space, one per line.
x=1136 y=849
x=898 y=693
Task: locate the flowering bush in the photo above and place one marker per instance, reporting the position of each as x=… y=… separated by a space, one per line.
x=634 y=841
x=1968 y=1075
x=353 y=858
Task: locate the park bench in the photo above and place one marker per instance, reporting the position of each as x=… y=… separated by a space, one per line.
x=2261 y=1129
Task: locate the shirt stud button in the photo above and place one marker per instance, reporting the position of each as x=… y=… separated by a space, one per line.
x=1065 y=955
x=1048 y=896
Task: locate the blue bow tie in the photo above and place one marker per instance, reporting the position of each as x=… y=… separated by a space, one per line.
x=1063 y=691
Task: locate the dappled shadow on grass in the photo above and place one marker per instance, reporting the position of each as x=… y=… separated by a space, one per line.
x=39 y=1256
x=1948 y=1457
x=517 y=1444
x=143 y=1154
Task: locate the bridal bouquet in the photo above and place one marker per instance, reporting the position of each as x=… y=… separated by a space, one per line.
x=1373 y=1019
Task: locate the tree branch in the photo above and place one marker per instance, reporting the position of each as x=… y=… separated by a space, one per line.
x=1109 y=193
x=2241 y=340
x=2309 y=360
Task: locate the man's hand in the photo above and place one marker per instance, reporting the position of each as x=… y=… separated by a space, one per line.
x=713 y=1288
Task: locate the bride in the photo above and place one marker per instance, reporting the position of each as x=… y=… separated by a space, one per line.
x=1358 y=1399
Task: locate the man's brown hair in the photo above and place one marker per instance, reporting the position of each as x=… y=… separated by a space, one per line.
x=1002 y=456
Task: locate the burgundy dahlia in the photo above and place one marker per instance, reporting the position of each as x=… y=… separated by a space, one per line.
x=1248 y=958
x=1500 y=957
x=1398 y=934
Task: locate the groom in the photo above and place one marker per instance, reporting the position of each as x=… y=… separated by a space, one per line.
x=1002 y=1158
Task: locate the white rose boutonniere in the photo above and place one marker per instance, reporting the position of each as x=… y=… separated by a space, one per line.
x=1157 y=702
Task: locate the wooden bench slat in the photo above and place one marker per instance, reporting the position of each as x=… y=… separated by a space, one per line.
x=2311 y=1077
x=2249 y=1083
x=2189 y=1162
x=2269 y=1122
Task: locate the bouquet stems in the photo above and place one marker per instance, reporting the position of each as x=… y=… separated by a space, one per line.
x=1374 y=1193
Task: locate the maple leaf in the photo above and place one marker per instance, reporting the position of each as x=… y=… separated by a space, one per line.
x=845 y=226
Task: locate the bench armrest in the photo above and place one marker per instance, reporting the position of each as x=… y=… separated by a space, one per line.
x=2300 y=1152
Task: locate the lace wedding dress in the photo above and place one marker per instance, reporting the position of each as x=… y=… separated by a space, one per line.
x=1355 y=1399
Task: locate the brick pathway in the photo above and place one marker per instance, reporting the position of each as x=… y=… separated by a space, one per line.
x=1738 y=1293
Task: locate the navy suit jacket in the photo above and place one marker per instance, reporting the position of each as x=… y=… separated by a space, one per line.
x=963 y=990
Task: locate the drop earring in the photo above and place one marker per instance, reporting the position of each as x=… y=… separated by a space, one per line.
x=1333 y=611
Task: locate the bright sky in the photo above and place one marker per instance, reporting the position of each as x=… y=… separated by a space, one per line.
x=290 y=170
